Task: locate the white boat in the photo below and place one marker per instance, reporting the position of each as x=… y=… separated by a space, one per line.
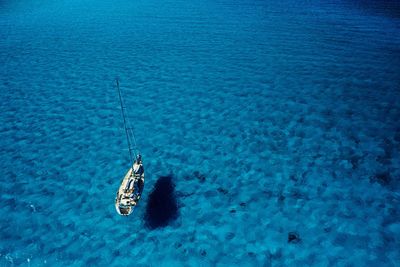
x=131 y=188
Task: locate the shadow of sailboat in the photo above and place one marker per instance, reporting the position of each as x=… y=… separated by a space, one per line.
x=162 y=207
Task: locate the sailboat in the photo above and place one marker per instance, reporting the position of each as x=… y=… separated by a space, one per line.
x=131 y=188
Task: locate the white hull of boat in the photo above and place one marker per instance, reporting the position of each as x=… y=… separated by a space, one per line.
x=130 y=190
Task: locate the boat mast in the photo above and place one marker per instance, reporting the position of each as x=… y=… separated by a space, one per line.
x=125 y=122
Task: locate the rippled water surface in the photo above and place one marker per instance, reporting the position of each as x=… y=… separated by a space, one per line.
x=269 y=131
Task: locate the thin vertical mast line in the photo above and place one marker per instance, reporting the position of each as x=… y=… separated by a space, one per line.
x=123 y=116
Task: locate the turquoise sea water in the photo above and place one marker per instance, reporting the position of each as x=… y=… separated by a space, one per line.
x=255 y=119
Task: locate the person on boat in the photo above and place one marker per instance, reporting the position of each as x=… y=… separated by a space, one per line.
x=138 y=169
x=137 y=163
x=139 y=159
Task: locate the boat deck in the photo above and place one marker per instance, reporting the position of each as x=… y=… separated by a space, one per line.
x=129 y=191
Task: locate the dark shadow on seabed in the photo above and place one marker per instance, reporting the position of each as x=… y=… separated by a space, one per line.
x=162 y=207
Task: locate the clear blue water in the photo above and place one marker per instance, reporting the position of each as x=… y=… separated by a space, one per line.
x=263 y=118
